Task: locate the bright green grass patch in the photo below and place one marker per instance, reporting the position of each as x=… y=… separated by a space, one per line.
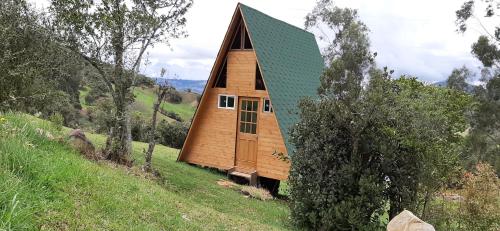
x=147 y=97
x=44 y=184
x=84 y=92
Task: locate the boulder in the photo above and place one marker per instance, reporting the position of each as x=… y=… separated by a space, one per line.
x=406 y=221
x=81 y=143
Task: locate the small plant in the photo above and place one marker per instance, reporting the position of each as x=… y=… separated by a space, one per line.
x=257 y=193
x=8 y=214
x=57 y=121
x=481 y=207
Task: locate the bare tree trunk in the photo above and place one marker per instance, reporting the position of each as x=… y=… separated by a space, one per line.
x=160 y=96
x=152 y=132
x=151 y=137
x=426 y=200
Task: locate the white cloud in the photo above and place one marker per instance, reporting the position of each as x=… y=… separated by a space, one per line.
x=412 y=37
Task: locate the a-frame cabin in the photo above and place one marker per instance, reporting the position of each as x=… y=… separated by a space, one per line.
x=249 y=103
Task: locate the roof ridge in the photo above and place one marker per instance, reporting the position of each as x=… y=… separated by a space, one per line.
x=286 y=23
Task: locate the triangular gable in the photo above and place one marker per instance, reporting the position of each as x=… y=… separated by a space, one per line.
x=288 y=58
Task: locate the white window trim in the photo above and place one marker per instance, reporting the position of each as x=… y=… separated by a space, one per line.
x=264 y=103
x=226 y=107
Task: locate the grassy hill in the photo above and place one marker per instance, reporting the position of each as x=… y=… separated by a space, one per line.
x=45 y=184
x=145 y=97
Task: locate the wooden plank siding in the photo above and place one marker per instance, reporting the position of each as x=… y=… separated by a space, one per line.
x=212 y=137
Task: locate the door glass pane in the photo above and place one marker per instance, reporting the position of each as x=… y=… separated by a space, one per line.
x=243 y=104
x=247 y=127
x=254 y=117
x=254 y=129
x=255 y=105
x=249 y=117
x=242 y=127
x=230 y=101
x=249 y=106
x=243 y=116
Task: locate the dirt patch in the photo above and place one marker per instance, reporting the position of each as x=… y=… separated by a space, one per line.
x=247 y=191
x=226 y=183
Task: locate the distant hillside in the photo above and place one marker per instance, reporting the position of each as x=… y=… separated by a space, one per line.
x=184 y=84
x=444 y=83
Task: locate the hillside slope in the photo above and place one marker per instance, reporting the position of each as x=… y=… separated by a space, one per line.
x=44 y=184
x=145 y=97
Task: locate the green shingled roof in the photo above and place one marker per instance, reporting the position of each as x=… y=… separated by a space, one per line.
x=290 y=62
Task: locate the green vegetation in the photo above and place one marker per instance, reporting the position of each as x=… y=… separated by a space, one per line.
x=44 y=184
x=144 y=98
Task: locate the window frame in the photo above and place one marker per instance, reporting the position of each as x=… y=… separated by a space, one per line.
x=264 y=105
x=227 y=96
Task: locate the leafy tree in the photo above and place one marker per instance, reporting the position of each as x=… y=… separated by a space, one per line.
x=348 y=50
x=458 y=79
x=118 y=32
x=369 y=141
x=484 y=138
x=34 y=68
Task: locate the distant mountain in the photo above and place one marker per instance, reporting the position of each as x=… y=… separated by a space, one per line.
x=185 y=84
x=444 y=83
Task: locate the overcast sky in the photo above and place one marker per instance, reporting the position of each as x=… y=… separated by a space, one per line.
x=411 y=37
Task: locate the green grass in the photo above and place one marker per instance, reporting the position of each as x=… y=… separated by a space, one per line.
x=44 y=184
x=84 y=92
x=143 y=104
x=146 y=97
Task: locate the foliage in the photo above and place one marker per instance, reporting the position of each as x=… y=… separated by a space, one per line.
x=174 y=97
x=458 y=79
x=484 y=140
x=140 y=127
x=173 y=115
x=57 y=120
x=348 y=51
x=37 y=74
x=481 y=206
x=117 y=33
x=369 y=145
x=101 y=115
x=143 y=81
x=172 y=134
x=94 y=94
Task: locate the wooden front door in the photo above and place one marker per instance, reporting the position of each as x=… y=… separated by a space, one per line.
x=246 y=142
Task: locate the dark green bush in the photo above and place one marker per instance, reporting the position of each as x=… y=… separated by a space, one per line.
x=172 y=134
x=174 y=97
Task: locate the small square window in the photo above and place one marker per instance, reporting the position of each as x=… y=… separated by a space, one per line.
x=267 y=107
x=226 y=101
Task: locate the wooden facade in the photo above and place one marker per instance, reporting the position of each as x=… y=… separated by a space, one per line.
x=216 y=137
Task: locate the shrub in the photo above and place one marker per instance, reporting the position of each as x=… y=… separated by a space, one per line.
x=102 y=114
x=172 y=134
x=174 y=97
x=57 y=120
x=172 y=115
x=94 y=94
x=481 y=205
x=139 y=127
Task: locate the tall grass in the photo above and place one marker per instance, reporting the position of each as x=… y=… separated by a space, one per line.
x=44 y=184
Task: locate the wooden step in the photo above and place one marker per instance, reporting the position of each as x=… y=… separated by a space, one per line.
x=241 y=174
x=251 y=177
